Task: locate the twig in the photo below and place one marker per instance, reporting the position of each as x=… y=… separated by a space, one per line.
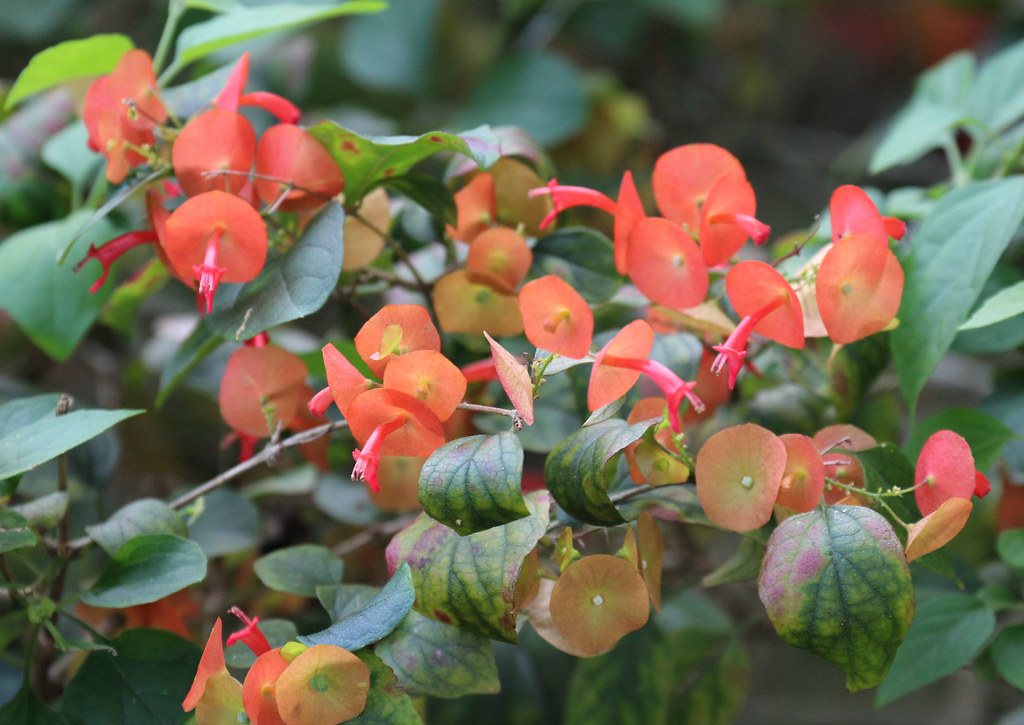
x=398 y=250
x=64 y=525
x=366 y=536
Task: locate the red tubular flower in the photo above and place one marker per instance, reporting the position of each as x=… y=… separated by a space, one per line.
x=231 y=96
x=566 y=197
x=250 y=634
x=480 y=370
x=684 y=176
x=107 y=253
x=727 y=220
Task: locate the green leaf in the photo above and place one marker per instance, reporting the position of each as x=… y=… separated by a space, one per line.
x=144 y=516
x=229 y=523
x=67 y=153
x=1010 y=546
x=299 y=481
x=1006 y=404
x=948 y=631
x=241 y=22
x=299 y=569
x=431 y=658
x=836 y=583
x=583 y=258
x=27 y=709
x=677 y=502
x=576 y=473
x=375 y=620
x=368 y=161
x=20 y=412
x=985 y=434
x=428 y=192
x=391 y=51
x=144 y=683
x=743 y=565
x=386 y=702
x=145 y=569
x=469 y=581
x=1004 y=304
x=292 y=286
x=51 y=303
x=1008 y=654
x=45 y=511
x=341 y=600
x=535 y=90
x=66 y=61
x=189 y=354
x=47 y=438
x=885 y=467
x=999 y=336
x=995 y=98
x=121 y=310
x=14 y=531
x=630 y=685
x=953 y=253
x=475 y=483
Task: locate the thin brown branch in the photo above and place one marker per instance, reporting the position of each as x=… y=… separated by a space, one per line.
x=369 y=535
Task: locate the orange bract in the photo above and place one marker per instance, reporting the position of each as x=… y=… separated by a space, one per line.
x=854 y=214
x=364 y=240
x=666 y=265
x=261 y=387
x=514 y=379
x=395 y=330
x=839 y=464
x=475 y=302
x=752 y=286
x=629 y=212
x=132 y=84
x=210 y=664
x=556 y=317
x=945 y=470
x=429 y=376
x=258 y=688
x=803 y=481
x=345 y=381
x=292 y=156
x=476 y=207
x=720 y=234
x=324 y=685
x=217 y=140
x=502 y=252
x=683 y=177
x=938 y=528
x=859 y=288
x=608 y=383
x=420 y=434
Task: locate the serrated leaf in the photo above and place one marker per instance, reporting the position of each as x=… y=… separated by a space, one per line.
x=49 y=302
x=46 y=438
x=375 y=620
x=475 y=483
x=144 y=516
x=575 y=469
x=368 y=161
x=238 y=23
x=386 y=702
x=145 y=569
x=299 y=569
x=25 y=708
x=294 y=285
x=144 y=683
x=1004 y=304
x=583 y=258
x=469 y=581
x=66 y=61
x=836 y=583
x=631 y=684
x=948 y=631
x=200 y=343
x=985 y=434
x=432 y=658
x=14 y=531
x=953 y=253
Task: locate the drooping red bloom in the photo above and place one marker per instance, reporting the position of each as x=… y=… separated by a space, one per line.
x=727 y=220
x=232 y=96
x=250 y=634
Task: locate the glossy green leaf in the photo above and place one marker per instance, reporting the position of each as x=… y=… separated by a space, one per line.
x=27 y=709
x=428 y=192
x=368 y=161
x=69 y=60
x=15 y=532
x=299 y=569
x=1008 y=654
x=190 y=353
x=20 y=412
x=631 y=685
x=575 y=471
x=46 y=438
x=475 y=483
x=144 y=683
x=1010 y=546
x=292 y=286
x=469 y=581
x=144 y=516
x=341 y=600
x=677 y=502
x=1004 y=304
x=535 y=90
x=50 y=302
x=375 y=620
x=953 y=253
x=985 y=434
x=583 y=258
x=145 y=569
x=391 y=51
x=948 y=631
x=386 y=702
x=228 y=523
x=242 y=22
x=836 y=583
x=432 y=658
